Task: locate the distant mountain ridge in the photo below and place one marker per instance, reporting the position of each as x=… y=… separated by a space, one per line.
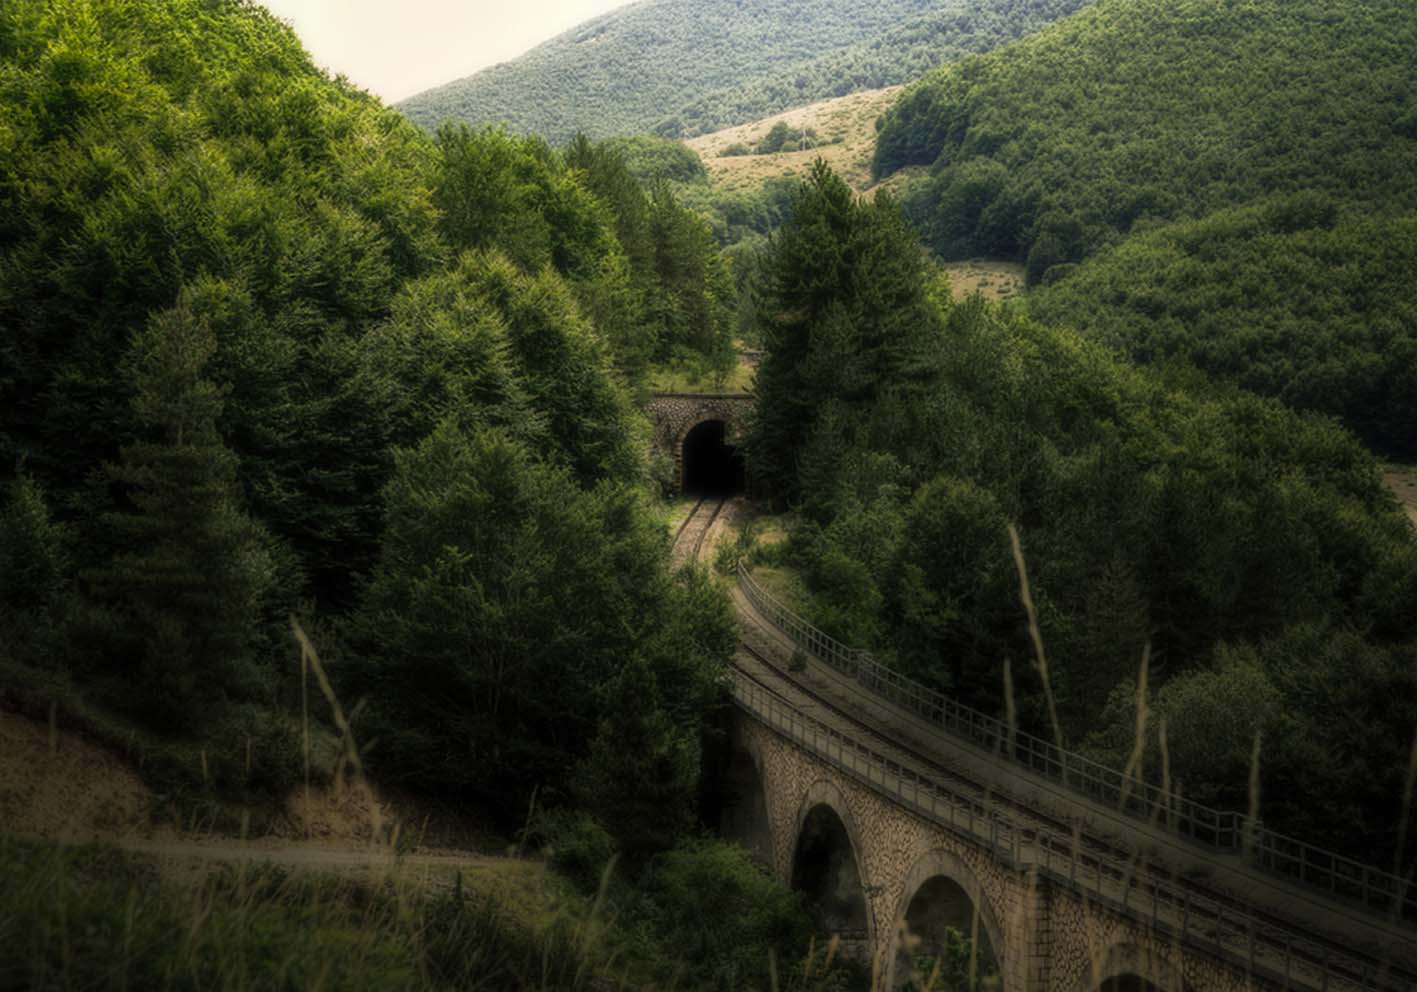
x=686 y=67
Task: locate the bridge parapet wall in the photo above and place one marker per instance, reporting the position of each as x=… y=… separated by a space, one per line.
x=1061 y=916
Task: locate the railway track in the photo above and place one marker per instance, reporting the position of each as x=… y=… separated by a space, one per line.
x=770 y=674
x=689 y=539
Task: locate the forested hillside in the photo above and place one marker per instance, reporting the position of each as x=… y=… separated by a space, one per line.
x=687 y=67
x=1245 y=554
x=1291 y=298
x=1137 y=111
x=272 y=351
x=1279 y=139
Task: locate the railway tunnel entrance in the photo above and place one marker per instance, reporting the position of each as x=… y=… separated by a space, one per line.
x=712 y=466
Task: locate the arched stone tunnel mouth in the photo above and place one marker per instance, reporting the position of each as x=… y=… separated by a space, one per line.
x=938 y=918
x=712 y=466
x=824 y=870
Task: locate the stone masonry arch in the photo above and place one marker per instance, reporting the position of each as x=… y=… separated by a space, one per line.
x=745 y=817
x=1128 y=960
x=940 y=862
x=674 y=415
x=825 y=793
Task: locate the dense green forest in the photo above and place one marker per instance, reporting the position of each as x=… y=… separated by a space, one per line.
x=272 y=350
x=1290 y=298
x=1134 y=114
x=686 y=67
x=1253 y=548
x=1137 y=111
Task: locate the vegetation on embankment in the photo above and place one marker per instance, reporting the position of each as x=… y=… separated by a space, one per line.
x=271 y=350
x=74 y=918
x=686 y=68
x=80 y=917
x=1254 y=548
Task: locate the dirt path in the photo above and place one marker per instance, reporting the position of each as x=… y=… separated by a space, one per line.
x=313 y=855
x=1403 y=482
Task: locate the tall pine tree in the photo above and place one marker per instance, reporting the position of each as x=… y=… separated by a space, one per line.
x=846 y=315
x=188 y=588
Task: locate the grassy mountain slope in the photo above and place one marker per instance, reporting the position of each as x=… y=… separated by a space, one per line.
x=846 y=138
x=686 y=67
x=748 y=192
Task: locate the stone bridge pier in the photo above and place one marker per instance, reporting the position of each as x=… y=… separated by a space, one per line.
x=889 y=882
x=700 y=433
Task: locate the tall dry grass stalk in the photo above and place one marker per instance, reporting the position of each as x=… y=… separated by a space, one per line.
x=974 y=898
x=1164 y=804
x=1407 y=786
x=1040 y=657
x=1253 y=819
x=1134 y=765
x=1010 y=706
x=310 y=658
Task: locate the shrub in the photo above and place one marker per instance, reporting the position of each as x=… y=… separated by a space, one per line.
x=724 y=913
x=576 y=845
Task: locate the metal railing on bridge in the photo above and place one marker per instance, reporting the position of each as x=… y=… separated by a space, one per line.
x=1224 y=830
x=1276 y=954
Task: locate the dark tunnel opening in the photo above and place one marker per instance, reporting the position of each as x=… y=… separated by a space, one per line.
x=712 y=466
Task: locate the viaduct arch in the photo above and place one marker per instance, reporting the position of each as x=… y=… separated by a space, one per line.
x=1039 y=938
x=906 y=848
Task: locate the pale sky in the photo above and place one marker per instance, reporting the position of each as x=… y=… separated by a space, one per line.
x=396 y=48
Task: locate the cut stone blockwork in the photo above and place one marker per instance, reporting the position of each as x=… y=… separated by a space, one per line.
x=674 y=415
x=1045 y=937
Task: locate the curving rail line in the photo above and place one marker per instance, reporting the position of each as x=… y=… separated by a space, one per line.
x=1379 y=893
x=689 y=538
x=1273 y=951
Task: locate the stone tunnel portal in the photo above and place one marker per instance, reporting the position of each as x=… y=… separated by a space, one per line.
x=824 y=869
x=712 y=466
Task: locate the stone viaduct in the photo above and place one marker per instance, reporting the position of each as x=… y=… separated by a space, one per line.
x=890 y=847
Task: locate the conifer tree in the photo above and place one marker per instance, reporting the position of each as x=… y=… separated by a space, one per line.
x=846 y=315
x=641 y=775
x=188 y=587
